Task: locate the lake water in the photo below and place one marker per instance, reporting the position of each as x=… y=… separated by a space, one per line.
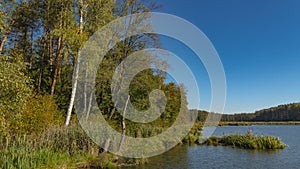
x=195 y=157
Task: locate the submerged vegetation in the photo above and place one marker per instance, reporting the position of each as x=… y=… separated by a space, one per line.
x=247 y=141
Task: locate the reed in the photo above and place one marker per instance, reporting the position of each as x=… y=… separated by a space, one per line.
x=57 y=147
x=247 y=141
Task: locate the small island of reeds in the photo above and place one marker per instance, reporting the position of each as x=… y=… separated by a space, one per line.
x=247 y=141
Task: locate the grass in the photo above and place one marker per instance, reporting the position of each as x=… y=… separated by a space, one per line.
x=21 y=157
x=247 y=141
x=57 y=147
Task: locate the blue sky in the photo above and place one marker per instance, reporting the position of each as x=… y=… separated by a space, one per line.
x=258 y=42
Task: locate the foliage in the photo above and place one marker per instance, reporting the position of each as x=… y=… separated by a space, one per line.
x=41 y=113
x=15 y=90
x=281 y=113
x=40 y=41
x=214 y=140
x=247 y=141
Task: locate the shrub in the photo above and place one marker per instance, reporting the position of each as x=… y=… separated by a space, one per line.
x=41 y=113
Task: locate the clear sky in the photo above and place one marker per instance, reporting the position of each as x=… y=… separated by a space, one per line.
x=258 y=42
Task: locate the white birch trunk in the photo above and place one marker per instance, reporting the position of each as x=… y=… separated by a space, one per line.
x=123 y=124
x=74 y=88
x=76 y=74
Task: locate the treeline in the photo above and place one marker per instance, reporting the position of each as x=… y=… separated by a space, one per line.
x=281 y=113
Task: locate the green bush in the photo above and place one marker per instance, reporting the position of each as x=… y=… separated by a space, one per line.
x=41 y=113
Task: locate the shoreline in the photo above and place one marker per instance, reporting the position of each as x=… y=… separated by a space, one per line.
x=247 y=123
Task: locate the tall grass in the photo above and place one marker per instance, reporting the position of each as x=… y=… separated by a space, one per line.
x=57 y=147
x=247 y=141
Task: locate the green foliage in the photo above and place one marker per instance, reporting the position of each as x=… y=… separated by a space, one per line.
x=41 y=113
x=214 y=140
x=41 y=40
x=247 y=141
x=15 y=90
x=194 y=134
x=281 y=113
x=191 y=138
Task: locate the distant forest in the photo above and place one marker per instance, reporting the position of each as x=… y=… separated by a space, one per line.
x=287 y=112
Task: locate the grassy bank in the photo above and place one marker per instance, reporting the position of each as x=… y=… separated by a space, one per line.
x=57 y=147
x=247 y=141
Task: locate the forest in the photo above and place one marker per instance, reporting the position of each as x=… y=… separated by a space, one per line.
x=40 y=41
x=281 y=113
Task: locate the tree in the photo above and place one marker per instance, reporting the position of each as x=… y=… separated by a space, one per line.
x=15 y=89
x=7 y=21
x=87 y=11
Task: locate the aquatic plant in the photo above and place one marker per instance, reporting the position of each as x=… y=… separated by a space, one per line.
x=247 y=141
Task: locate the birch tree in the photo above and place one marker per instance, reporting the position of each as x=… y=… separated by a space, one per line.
x=90 y=20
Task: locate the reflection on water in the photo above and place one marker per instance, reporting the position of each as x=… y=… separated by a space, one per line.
x=195 y=157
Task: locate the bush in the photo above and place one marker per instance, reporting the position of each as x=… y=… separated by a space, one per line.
x=41 y=113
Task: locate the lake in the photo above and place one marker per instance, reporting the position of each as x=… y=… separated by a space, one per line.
x=195 y=157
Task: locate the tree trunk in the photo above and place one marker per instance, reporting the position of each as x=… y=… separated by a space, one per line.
x=74 y=88
x=113 y=110
x=6 y=36
x=106 y=146
x=123 y=124
x=3 y=42
x=84 y=90
x=76 y=73
x=57 y=65
x=51 y=53
x=117 y=100
x=89 y=107
x=31 y=50
x=42 y=62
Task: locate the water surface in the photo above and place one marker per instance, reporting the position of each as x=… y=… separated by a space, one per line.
x=195 y=157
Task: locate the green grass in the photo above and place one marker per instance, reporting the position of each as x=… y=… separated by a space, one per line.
x=57 y=147
x=247 y=141
x=21 y=157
